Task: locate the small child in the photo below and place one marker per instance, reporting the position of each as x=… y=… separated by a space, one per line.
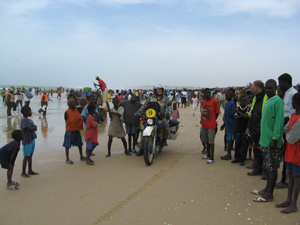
x=292 y=158
x=28 y=128
x=229 y=123
x=74 y=123
x=116 y=128
x=241 y=141
x=195 y=101
x=91 y=133
x=8 y=155
x=175 y=112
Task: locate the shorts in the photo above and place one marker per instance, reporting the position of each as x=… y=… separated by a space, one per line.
x=230 y=136
x=208 y=135
x=29 y=148
x=130 y=128
x=295 y=169
x=91 y=145
x=271 y=159
x=72 y=138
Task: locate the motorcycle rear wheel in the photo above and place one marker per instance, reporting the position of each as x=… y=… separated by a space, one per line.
x=148 y=151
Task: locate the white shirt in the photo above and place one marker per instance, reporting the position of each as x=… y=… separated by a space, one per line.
x=288 y=107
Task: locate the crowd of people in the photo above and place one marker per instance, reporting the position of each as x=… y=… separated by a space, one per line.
x=263 y=118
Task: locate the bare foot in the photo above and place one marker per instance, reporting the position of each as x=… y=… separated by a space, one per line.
x=33 y=173
x=283 y=205
x=289 y=210
x=69 y=161
x=82 y=158
x=108 y=155
x=25 y=175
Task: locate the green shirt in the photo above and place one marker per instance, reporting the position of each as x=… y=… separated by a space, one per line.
x=271 y=124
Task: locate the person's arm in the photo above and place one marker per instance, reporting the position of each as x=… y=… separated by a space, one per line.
x=278 y=124
x=292 y=136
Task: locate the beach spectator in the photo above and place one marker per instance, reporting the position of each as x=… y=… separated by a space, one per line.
x=91 y=133
x=74 y=123
x=10 y=102
x=131 y=121
x=85 y=111
x=270 y=139
x=285 y=85
x=102 y=85
x=292 y=158
x=209 y=117
x=116 y=128
x=44 y=103
x=253 y=129
x=179 y=98
x=8 y=155
x=175 y=112
x=28 y=128
x=241 y=139
x=26 y=99
x=195 y=102
x=19 y=100
x=230 y=109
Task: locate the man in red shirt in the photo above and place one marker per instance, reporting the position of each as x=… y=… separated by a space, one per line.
x=103 y=88
x=210 y=111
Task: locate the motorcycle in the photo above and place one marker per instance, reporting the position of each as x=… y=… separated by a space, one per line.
x=152 y=135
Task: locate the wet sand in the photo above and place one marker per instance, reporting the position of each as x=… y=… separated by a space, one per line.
x=179 y=188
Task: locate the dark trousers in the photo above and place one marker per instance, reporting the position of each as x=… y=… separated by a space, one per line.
x=258 y=159
x=241 y=147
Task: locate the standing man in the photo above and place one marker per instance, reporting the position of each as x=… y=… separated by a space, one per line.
x=270 y=139
x=131 y=120
x=254 y=114
x=210 y=111
x=44 y=103
x=103 y=88
x=10 y=101
x=285 y=85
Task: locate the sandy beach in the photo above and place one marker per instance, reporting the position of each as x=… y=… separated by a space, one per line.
x=179 y=188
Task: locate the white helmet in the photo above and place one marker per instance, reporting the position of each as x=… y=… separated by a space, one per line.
x=158 y=86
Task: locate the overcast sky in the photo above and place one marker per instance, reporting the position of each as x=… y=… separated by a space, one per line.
x=130 y=43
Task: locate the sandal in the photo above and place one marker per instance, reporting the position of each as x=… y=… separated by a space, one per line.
x=12 y=187
x=69 y=161
x=15 y=183
x=261 y=199
x=257 y=192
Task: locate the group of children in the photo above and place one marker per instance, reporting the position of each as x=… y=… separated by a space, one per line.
x=9 y=152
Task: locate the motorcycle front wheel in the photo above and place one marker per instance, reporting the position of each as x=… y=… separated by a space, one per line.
x=148 y=151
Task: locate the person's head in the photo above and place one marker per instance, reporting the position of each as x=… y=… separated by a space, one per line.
x=26 y=111
x=17 y=135
x=134 y=98
x=207 y=94
x=91 y=108
x=229 y=95
x=250 y=97
x=174 y=106
x=280 y=92
x=296 y=101
x=115 y=102
x=243 y=101
x=93 y=100
x=158 y=89
x=97 y=78
x=257 y=87
x=271 y=87
x=72 y=103
x=285 y=81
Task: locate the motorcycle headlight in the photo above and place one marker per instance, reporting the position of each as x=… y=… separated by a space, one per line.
x=150 y=121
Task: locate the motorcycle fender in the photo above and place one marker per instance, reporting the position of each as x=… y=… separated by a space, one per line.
x=147 y=131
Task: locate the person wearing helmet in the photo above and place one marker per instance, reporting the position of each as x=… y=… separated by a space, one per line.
x=102 y=85
x=163 y=101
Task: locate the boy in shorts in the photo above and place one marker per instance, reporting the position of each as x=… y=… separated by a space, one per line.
x=74 y=123
x=28 y=128
x=8 y=155
x=292 y=158
x=271 y=127
x=210 y=112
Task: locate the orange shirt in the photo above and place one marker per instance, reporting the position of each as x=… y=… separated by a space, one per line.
x=46 y=98
x=74 y=121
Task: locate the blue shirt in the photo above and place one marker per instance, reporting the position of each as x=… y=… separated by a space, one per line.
x=229 y=116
